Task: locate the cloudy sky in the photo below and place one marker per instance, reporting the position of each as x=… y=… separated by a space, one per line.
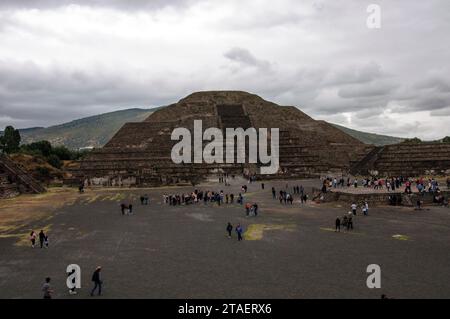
x=62 y=60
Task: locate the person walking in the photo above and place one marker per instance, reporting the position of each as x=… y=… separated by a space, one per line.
x=229 y=229
x=41 y=238
x=97 y=281
x=350 y=223
x=353 y=206
x=239 y=231
x=255 y=209
x=247 y=209
x=338 y=225
x=47 y=289
x=33 y=238
x=46 y=241
x=366 y=209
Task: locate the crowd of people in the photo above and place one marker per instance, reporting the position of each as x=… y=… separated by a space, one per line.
x=287 y=197
x=404 y=184
x=198 y=196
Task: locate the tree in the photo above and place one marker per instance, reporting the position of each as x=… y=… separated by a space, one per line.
x=10 y=141
x=446 y=139
x=63 y=153
x=54 y=161
x=42 y=147
x=414 y=140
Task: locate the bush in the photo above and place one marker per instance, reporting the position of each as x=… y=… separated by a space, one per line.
x=54 y=161
x=414 y=140
x=43 y=173
x=43 y=148
x=63 y=153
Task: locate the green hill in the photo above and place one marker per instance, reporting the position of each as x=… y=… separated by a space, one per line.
x=92 y=131
x=95 y=131
x=370 y=138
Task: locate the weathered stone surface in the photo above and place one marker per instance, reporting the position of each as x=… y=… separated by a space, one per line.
x=140 y=153
x=14 y=180
x=308 y=148
x=406 y=159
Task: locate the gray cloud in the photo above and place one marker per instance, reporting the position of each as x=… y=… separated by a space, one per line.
x=245 y=57
x=64 y=63
x=119 y=4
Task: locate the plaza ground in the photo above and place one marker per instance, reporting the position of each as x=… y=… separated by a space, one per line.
x=164 y=251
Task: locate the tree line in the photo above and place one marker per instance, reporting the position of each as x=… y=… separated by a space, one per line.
x=10 y=143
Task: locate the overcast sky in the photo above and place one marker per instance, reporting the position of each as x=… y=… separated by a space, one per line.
x=62 y=60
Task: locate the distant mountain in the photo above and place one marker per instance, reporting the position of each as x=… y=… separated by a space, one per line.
x=370 y=138
x=95 y=131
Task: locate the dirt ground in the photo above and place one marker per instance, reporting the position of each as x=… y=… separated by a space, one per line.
x=163 y=251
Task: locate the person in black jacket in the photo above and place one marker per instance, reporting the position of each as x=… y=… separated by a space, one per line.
x=229 y=229
x=338 y=224
x=41 y=238
x=97 y=281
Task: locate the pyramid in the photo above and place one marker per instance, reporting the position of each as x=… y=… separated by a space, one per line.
x=139 y=154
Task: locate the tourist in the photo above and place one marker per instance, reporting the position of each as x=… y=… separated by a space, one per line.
x=247 y=209
x=122 y=208
x=239 y=231
x=365 y=209
x=338 y=225
x=324 y=188
x=46 y=241
x=47 y=289
x=255 y=209
x=353 y=207
x=345 y=221
x=229 y=229
x=350 y=223
x=33 y=238
x=130 y=209
x=240 y=199
x=41 y=238
x=274 y=194
x=262 y=186
x=97 y=281
x=355 y=183
x=419 y=204
x=305 y=198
